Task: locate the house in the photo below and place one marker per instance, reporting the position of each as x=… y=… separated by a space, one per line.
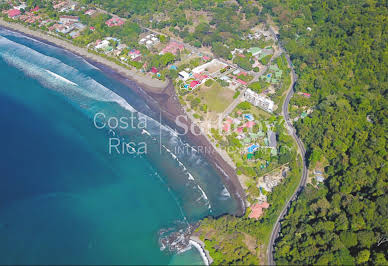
x=92 y=28
x=114 y=22
x=102 y=44
x=59 y=5
x=173 y=47
x=200 y=77
x=135 y=55
x=258 y=100
x=257 y=210
x=184 y=75
x=13 y=13
x=154 y=70
x=90 y=12
x=194 y=84
x=242 y=82
x=35 y=9
x=68 y=19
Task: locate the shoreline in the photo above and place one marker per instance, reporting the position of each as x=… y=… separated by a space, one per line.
x=160 y=96
x=200 y=246
x=145 y=81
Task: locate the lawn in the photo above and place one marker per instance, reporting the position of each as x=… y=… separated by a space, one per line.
x=216 y=97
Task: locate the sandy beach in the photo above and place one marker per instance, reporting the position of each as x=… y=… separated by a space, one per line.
x=160 y=96
x=140 y=78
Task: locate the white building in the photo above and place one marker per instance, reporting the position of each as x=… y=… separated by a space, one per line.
x=68 y=19
x=184 y=75
x=259 y=100
x=103 y=44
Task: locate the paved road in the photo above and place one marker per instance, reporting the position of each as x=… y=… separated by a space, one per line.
x=302 y=182
x=302 y=151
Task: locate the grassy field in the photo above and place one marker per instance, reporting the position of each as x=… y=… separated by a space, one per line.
x=216 y=97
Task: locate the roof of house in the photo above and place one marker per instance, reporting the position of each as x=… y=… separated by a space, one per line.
x=194 y=83
x=154 y=70
x=115 y=21
x=13 y=13
x=242 y=82
x=257 y=210
x=69 y=17
x=35 y=9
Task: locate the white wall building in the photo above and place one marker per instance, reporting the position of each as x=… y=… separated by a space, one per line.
x=259 y=100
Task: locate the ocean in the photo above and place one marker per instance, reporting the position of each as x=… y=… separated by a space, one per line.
x=77 y=185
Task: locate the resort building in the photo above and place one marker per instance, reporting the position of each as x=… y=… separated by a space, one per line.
x=258 y=100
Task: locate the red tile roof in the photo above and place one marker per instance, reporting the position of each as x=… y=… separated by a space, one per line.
x=114 y=22
x=257 y=210
x=242 y=82
x=154 y=70
x=35 y=9
x=13 y=13
x=194 y=83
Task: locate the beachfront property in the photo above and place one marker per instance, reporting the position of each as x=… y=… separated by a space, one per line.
x=61 y=28
x=259 y=100
x=13 y=13
x=149 y=40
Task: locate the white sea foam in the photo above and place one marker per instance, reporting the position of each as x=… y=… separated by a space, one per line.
x=200 y=250
x=225 y=193
x=61 y=78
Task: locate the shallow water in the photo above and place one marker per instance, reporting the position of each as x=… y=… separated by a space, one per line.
x=63 y=198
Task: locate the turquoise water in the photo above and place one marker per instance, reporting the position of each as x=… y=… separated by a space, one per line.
x=64 y=199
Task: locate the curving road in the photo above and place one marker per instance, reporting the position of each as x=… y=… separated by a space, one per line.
x=302 y=151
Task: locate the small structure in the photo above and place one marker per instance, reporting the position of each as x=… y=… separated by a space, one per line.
x=154 y=70
x=257 y=210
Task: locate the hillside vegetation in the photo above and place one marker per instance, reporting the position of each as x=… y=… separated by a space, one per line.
x=340 y=55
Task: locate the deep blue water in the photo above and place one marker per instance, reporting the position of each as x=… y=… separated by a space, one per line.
x=63 y=198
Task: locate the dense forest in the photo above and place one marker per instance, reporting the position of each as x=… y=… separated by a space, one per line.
x=340 y=55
